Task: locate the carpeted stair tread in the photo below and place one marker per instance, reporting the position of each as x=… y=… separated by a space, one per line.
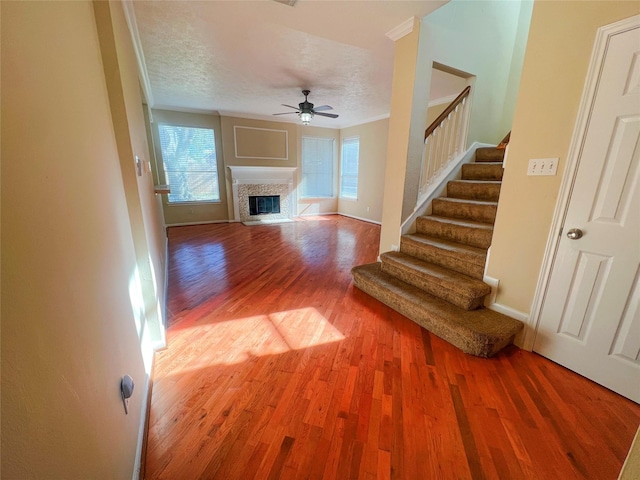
x=489 y=154
x=461 y=290
x=474 y=189
x=482 y=171
x=477 y=210
x=455 y=256
x=476 y=234
x=458 y=221
x=478 y=332
x=468 y=201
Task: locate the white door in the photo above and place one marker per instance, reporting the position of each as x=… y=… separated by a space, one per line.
x=590 y=318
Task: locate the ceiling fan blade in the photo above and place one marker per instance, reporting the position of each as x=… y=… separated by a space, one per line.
x=322 y=107
x=285 y=105
x=330 y=115
x=283 y=113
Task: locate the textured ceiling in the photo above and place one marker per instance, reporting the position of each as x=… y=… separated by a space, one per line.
x=246 y=58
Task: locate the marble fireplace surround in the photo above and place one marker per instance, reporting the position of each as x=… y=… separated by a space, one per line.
x=247 y=181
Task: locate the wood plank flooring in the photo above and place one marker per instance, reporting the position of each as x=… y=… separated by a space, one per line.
x=276 y=367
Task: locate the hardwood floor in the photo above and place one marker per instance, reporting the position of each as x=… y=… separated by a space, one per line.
x=276 y=367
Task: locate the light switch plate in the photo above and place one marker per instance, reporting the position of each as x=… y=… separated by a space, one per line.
x=138 y=166
x=542 y=166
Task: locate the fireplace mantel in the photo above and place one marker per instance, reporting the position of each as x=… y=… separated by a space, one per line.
x=262 y=175
x=241 y=175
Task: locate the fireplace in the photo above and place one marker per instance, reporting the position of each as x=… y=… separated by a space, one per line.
x=264 y=204
x=266 y=183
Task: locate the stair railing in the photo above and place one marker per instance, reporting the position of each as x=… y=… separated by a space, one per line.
x=444 y=140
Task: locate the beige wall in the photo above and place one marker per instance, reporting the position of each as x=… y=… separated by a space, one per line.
x=404 y=71
x=229 y=144
x=202 y=212
x=226 y=148
x=560 y=43
x=295 y=132
x=371 y=167
x=70 y=311
x=631 y=467
x=144 y=208
x=151 y=222
x=229 y=150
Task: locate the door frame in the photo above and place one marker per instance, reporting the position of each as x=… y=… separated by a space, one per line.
x=600 y=47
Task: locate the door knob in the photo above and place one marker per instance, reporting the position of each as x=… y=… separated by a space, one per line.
x=575 y=234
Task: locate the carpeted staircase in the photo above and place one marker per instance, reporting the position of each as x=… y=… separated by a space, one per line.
x=436 y=277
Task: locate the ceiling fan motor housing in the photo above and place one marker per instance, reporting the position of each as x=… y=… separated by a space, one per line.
x=306 y=106
x=306 y=111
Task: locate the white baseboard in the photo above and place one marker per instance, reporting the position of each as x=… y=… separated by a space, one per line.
x=518 y=315
x=439 y=186
x=187 y=224
x=165 y=295
x=493 y=283
x=142 y=430
x=510 y=312
x=317 y=214
x=360 y=218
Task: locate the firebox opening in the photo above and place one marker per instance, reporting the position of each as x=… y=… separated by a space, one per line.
x=263 y=204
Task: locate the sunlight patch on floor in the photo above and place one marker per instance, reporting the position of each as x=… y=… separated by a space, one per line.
x=238 y=340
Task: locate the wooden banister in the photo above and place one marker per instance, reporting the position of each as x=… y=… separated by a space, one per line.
x=505 y=141
x=464 y=94
x=444 y=142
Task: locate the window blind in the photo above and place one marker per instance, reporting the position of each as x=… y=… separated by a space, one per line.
x=349 y=168
x=190 y=165
x=317 y=167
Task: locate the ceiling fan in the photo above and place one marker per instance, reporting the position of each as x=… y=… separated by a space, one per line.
x=306 y=110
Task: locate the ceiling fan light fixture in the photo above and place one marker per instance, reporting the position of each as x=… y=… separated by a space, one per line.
x=306 y=111
x=305 y=117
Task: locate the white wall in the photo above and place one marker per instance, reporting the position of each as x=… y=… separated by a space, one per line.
x=479 y=39
x=72 y=311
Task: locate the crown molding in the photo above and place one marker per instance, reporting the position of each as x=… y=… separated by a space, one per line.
x=401 y=30
x=143 y=74
x=368 y=120
x=198 y=111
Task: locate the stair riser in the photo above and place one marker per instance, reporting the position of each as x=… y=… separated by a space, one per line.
x=467 y=342
x=475 y=237
x=478 y=191
x=469 y=211
x=479 y=171
x=456 y=298
x=489 y=154
x=395 y=303
x=451 y=260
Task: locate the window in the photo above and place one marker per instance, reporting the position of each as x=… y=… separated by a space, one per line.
x=349 y=168
x=317 y=167
x=190 y=165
